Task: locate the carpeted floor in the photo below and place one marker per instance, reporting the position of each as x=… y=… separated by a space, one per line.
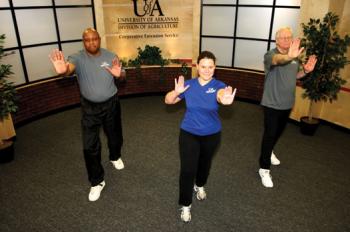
x=45 y=188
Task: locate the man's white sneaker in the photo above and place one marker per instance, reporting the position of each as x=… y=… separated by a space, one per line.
x=95 y=191
x=186 y=213
x=274 y=160
x=118 y=164
x=266 y=178
x=200 y=193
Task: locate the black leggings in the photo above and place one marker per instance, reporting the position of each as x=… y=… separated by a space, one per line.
x=196 y=154
x=274 y=123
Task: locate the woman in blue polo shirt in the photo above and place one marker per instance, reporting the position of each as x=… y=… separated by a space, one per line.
x=200 y=128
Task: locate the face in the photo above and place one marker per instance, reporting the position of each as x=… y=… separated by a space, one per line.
x=206 y=68
x=92 y=41
x=284 y=38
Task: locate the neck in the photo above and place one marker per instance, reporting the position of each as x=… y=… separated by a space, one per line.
x=93 y=54
x=282 y=51
x=203 y=81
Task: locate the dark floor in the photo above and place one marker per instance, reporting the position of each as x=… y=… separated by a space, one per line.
x=45 y=188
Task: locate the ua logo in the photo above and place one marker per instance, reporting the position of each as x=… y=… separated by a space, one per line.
x=148 y=8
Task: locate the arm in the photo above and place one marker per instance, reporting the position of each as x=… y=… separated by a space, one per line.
x=226 y=96
x=61 y=66
x=172 y=97
x=293 y=52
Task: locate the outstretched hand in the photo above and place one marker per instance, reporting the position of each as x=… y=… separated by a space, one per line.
x=116 y=68
x=294 y=49
x=228 y=96
x=58 y=61
x=310 y=64
x=180 y=85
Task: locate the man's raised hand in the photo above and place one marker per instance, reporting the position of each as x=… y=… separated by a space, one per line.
x=116 y=67
x=294 y=49
x=57 y=59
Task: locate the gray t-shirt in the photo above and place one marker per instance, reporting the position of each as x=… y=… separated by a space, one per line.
x=280 y=81
x=95 y=82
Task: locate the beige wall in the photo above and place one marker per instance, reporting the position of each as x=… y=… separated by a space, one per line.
x=175 y=42
x=337 y=112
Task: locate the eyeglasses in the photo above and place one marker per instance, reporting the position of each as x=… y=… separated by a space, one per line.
x=285 y=38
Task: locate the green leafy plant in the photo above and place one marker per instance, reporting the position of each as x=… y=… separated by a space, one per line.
x=151 y=55
x=8 y=103
x=322 y=39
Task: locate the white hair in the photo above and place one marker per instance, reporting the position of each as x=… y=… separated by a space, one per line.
x=283 y=29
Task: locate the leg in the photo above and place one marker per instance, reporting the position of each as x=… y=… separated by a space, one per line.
x=282 y=123
x=269 y=137
x=92 y=145
x=113 y=128
x=208 y=147
x=189 y=152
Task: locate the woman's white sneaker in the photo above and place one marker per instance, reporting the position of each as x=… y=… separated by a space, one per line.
x=200 y=193
x=186 y=213
x=266 y=178
x=95 y=191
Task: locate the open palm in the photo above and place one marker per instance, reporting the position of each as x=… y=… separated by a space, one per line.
x=228 y=96
x=58 y=61
x=310 y=64
x=116 y=68
x=180 y=85
x=294 y=49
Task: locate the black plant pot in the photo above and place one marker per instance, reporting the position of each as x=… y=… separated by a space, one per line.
x=7 y=152
x=308 y=127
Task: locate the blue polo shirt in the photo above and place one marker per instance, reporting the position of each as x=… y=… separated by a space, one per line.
x=201 y=116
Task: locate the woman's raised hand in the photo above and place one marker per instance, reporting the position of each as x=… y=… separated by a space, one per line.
x=180 y=85
x=228 y=95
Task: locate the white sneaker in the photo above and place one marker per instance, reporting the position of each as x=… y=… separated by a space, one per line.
x=118 y=164
x=274 y=160
x=266 y=178
x=200 y=193
x=186 y=213
x=95 y=191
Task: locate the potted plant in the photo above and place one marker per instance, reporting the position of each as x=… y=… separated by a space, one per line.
x=323 y=84
x=7 y=106
x=150 y=55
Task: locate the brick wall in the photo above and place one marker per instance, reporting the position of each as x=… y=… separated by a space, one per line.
x=49 y=96
x=249 y=84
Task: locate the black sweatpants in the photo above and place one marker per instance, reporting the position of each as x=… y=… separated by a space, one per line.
x=274 y=123
x=196 y=154
x=94 y=116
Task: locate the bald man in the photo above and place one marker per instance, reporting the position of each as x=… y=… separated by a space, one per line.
x=96 y=69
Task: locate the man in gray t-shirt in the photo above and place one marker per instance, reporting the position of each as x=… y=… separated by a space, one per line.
x=96 y=70
x=282 y=68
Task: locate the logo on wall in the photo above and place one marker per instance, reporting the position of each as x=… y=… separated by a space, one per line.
x=149 y=7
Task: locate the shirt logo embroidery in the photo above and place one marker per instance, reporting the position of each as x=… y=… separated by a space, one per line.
x=211 y=90
x=104 y=64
